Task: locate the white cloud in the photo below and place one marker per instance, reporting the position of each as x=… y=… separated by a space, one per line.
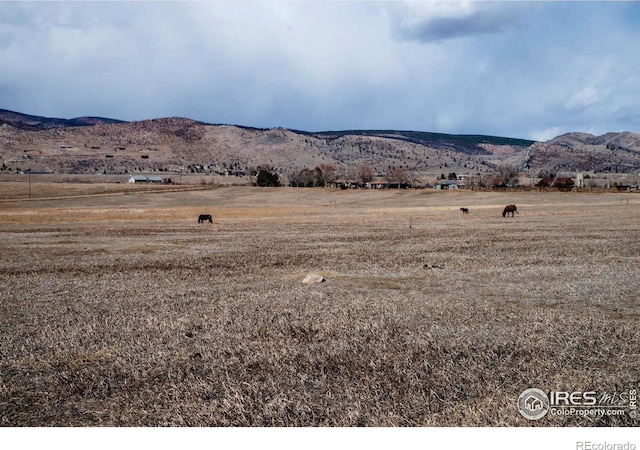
x=585 y=97
x=546 y=134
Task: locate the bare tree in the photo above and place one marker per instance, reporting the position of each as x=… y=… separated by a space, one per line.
x=400 y=175
x=320 y=175
x=364 y=173
x=477 y=181
x=507 y=175
x=327 y=173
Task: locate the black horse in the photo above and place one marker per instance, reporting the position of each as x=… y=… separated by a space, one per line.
x=510 y=209
x=464 y=210
x=204 y=218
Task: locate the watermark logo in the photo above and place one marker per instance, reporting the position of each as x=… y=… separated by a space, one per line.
x=588 y=445
x=533 y=404
x=633 y=403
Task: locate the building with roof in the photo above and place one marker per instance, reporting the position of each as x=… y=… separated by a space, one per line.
x=145 y=179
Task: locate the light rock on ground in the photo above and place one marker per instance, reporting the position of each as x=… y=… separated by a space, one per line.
x=313 y=278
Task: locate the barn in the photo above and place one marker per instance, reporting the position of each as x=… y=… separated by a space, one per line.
x=449 y=184
x=145 y=179
x=138 y=179
x=562 y=184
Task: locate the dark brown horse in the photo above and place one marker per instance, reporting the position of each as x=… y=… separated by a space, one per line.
x=510 y=209
x=204 y=218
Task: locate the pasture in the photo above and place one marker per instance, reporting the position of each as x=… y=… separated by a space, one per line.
x=123 y=310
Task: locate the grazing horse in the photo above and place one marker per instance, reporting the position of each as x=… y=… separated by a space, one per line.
x=464 y=210
x=510 y=209
x=204 y=218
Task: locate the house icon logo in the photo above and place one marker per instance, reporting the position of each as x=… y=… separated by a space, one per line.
x=533 y=404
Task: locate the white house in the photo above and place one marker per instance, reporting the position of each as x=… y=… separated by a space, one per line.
x=144 y=179
x=138 y=179
x=449 y=184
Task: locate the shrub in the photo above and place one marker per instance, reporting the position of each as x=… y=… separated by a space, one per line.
x=267 y=178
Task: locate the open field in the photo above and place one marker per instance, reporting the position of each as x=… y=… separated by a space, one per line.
x=122 y=310
x=45 y=186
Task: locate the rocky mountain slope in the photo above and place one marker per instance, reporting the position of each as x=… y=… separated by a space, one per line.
x=582 y=152
x=100 y=145
x=29 y=122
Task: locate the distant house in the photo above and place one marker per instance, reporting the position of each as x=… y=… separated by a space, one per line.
x=563 y=184
x=387 y=185
x=449 y=184
x=144 y=179
x=338 y=184
x=560 y=183
x=545 y=182
x=138 y=179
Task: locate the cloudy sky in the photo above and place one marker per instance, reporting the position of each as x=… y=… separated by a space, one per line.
x=518 y=69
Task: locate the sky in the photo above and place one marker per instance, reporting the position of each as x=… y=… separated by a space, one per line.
x=530 y=70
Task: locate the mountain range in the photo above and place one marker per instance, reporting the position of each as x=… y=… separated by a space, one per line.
x=103 y=145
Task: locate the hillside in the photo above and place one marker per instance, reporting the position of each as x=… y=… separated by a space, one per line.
x=611 y=152
x=29 y=122
x=99 y=145
x=468 y=144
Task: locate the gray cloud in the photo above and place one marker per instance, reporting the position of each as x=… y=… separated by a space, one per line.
x=439 y=21
x=328 y=65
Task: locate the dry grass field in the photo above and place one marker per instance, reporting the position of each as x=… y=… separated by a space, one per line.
x=122 y=310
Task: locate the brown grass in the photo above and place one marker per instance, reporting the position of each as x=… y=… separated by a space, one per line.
x=123 y=310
